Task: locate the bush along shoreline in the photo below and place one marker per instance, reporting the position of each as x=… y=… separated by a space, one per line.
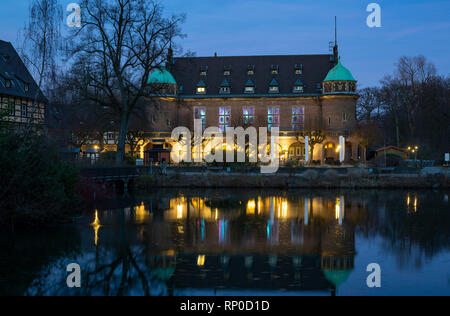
x=330 y=179
x=37 y=188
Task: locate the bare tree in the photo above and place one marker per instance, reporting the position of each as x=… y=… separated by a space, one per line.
x=120 y=43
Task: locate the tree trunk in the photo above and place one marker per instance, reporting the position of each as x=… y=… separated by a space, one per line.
x=122 y=139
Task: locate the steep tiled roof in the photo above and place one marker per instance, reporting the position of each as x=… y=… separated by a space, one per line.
x=12 y=68
x=187 y=73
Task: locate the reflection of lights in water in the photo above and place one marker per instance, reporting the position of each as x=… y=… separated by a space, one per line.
x=216 y=215
x=338 y=148
x=251 y=206
x=408 y=200
x=415 y=204
x=96 y=225
x=141 y=214
x=259 y=205
x=201 y=260
x=337 y=209
x=284 y=209
x=179 y=211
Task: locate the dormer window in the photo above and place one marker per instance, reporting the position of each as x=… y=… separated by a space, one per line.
x=225 y=87
x=227 y=71
x=298 y=86
x=299 y=69
x=298 y=89
x=201 y=87
x=204 y=71
x=273 y=86
x=8 y=83
x=249 y=87
x=251 y=70
x=26 y=87
x=274 y=69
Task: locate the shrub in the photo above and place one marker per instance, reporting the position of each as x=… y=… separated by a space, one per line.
x=36 y=187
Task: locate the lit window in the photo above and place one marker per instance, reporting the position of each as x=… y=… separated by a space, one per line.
x=248 y=114
x=224 y=118
x=201 y=90
x=273 y=117
x=298 y=89
x=250 y=72
x=274 y=89
x=249 y=89
x=298 y=69
x=274 y=70
x=298 y=118
x=227 y=73
x=200 y=114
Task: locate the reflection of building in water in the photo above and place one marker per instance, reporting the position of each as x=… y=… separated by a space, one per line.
x=299 y=243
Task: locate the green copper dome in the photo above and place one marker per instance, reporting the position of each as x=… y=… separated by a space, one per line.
x=161 y=76
x=337 y=277
x=339 y=73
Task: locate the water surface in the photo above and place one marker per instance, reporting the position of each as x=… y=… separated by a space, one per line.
x=241 y=242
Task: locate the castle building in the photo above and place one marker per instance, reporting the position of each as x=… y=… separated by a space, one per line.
x=302 y=95
x=18 y=91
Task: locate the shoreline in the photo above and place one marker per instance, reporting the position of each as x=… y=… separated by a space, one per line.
x=291 y=181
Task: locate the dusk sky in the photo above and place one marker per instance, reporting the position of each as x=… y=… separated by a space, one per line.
x=263 y=27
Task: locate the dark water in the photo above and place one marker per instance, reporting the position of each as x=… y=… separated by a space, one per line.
x=241 y=242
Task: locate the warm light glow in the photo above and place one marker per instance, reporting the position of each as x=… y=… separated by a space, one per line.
x=337 y=209
x=141 y=215
x=96 y=225
x=201 y=260
x=251 y=206
x=416 y=148
x=216 y=216
x=284 y=209
x=338 y=148
x=259 y=205
x=408 y=200
x=179 y=211
x=96 y=147
x=415 y=204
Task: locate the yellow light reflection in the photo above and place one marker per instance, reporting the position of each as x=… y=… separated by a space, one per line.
x=415 y=204
x=141 y=215
x=179 y=211
x=337 y=209
x=216 y=216
x=251 y=207
x=259 y=205
x=96 y=225
x=338 y=148
x=201 y=260
x=284 y=209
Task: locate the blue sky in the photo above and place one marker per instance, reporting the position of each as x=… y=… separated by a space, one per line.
x=263 y=27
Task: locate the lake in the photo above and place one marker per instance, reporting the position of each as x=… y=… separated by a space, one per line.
x=241 y=242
